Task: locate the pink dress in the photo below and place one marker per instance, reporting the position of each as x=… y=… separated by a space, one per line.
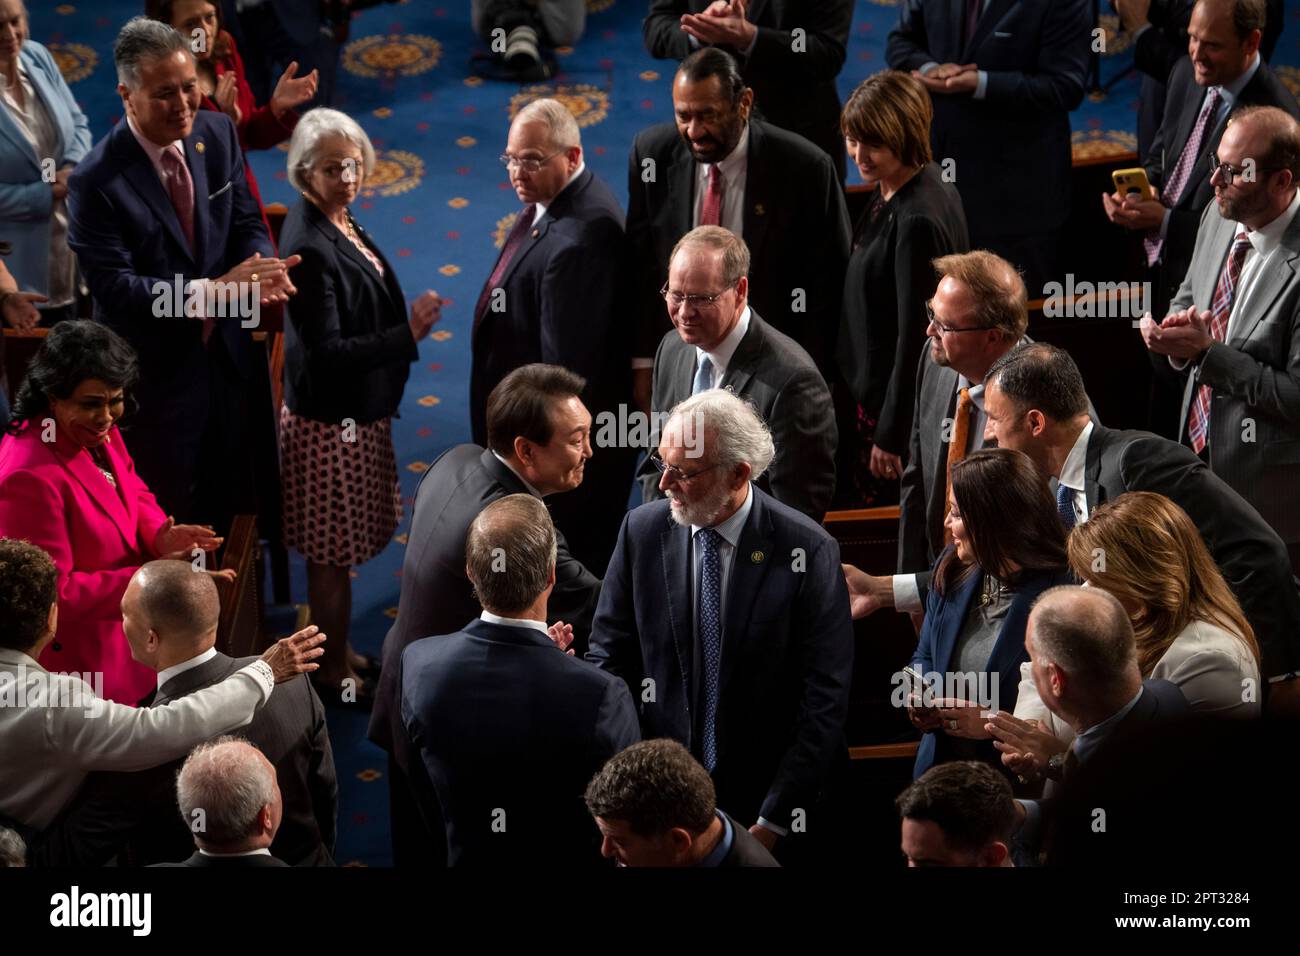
x=53 y=495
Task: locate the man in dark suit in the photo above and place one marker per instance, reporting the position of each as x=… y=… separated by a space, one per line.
x=1158 y=29
x=1083 y=658
x=724 y=344
x=229 y=798
x=170 y=615
x=1222 y=73
x=507 y=727
x=551 y=298
x=271 y=34
x=1004 y=75
x=538 y=444
x=656 y=806
x=1233 y=331
x=725 y=612
x=1034 y=402
x=179 y=263
x=792 y=75
x=717 y=166
x=959 y=813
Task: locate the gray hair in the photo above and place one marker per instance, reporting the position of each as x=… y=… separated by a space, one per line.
x=13 y=851
x=1085 y=632
x=144 y=39
x=509 y=553
x=315 y=126
x=227 y=783
x=735 y=254
x=730 y=425
x=561 y=127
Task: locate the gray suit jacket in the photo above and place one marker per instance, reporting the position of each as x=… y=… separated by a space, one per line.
x=773 y=373
x=1254 y=435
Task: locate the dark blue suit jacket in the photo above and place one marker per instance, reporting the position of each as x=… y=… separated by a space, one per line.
x=945 y=616
x=559 y=300
x=1012 y=148
x=127 y=237
x=510 y=731
x=787 y=651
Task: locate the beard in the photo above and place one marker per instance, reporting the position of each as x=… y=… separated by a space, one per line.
x=702 y=513
x=715 y=149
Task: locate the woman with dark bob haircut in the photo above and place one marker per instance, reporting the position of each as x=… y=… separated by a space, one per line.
x=914 y=217
x=1007 y=547
x=68 y=485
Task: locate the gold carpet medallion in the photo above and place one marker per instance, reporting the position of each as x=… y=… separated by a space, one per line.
x=588 y=104
x=76 y=60
x=396 y=171
x=389 y=55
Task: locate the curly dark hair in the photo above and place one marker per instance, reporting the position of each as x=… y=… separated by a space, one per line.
x=653 y=786
x=29 y=585
x=73 y=352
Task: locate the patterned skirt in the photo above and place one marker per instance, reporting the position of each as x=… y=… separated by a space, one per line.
x=342 y=502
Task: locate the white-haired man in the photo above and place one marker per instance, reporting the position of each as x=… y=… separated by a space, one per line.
x=723 y=610
x=230 y=800
x=551 y=298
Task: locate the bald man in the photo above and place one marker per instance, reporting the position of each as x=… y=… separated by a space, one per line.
x=228 y=796
x=170 y=614
x=1233 y=329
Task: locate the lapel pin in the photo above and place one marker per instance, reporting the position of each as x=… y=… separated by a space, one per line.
x=199 y=147
x=536 y=233
x=756 y=557
x=759 y=210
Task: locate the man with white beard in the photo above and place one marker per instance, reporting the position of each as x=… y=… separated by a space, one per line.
x=726 y=613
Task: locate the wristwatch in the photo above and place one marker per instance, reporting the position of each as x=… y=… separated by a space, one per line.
x=1056 y=765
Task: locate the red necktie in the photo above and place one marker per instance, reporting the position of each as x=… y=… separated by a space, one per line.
x=972 y=18
x=711 y=214
x=513 y=241
x=180 y=187
x=1198 y=420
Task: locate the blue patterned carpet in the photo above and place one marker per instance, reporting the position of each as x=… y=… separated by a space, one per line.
x=439 y=205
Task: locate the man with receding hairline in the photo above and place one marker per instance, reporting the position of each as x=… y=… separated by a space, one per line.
x=170 y=614
x=504 y=727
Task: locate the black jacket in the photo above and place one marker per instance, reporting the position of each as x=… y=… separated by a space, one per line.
x=889 y=279
x=347 y=345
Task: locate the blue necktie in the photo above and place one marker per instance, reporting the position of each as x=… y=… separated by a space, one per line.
x=1065 y=505
x=710 y=630
x=703 y=376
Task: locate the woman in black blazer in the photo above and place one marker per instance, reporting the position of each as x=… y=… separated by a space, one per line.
x=913 y=218
x=348 y=350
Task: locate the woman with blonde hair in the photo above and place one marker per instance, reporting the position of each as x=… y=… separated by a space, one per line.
x=1189 y=628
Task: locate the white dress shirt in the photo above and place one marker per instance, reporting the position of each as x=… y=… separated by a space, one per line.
x=724 y=351
x=1072 y=473
x=541 y=206
x=524 y=481
x=176 y=670
x=734 y=170
x=513 y=622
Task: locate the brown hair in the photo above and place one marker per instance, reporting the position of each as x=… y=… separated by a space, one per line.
x=1001 y=301
x=1009 y=514
x=891 y=109
x=654 y=786
x=161 y=10
x=1283 y=150
x=29 y=585
x=1145 y=550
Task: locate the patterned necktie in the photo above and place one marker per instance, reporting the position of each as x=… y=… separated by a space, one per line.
x=709 y=623
x=703 y=376
x=1198 y=420
x=1065 y=506
x=523 y=222
x=957 y=449
x=1177 y=181
x=180 y=187
x=972 y=18
x=711 y=214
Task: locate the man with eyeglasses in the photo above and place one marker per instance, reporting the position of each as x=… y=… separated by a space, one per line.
x=551 y=297
x=726 y=613
x=717 y=165
x=1222 y=73
x=719 y=341
x=1233 y=330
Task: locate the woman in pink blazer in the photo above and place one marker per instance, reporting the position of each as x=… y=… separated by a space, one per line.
x=67 y=485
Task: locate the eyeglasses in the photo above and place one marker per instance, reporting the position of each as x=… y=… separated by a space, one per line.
x=678 y=299
x=527 y=165
x=673 y=472
x=945 y=329
x=1229 y=173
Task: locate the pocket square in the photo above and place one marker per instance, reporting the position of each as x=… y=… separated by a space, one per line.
x=219 y=191
x=1001 y=35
